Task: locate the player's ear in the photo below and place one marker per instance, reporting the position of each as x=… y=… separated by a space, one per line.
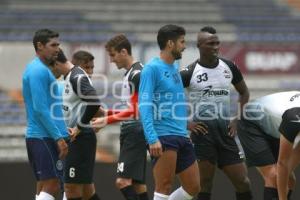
x=39 y=45
x=170 y=43
x=123 y=52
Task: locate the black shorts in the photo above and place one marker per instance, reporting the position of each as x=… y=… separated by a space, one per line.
x=133 y=152
x=290 y=124
x=260 y=149
x=217 y=146
x=80 y=161
x=184 y=148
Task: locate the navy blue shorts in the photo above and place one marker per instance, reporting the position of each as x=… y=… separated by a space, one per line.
x=184 y=148
x=43 y=158
x=290 y=125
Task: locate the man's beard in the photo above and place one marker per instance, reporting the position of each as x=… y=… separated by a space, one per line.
x=176 y=54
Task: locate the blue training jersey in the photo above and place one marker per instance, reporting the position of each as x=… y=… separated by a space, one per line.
x=162 y=104
x=40 y=93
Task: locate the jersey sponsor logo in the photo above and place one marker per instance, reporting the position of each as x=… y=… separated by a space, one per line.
x=207 y=91
x=226 y=74
x=176 y=78
x=120 y=167
x=297 y=120
x=294 y=97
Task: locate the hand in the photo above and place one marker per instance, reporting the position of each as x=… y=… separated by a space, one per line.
x=232 y=127
x=198 y=127
x=73 y=132
x=62 y=148
x=155 y=149
x=98 y=123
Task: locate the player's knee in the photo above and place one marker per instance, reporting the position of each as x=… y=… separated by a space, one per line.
x=206 y=184
x=243 y=184
x=122 y=183
x=52 y=187
x=270 y=178
x=292 y=181
x=164 y=186
x=194 y=189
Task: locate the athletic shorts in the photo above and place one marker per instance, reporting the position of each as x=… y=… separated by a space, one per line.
x=260 y=149
x=184 y=148
x=133 y=153
x=80 y=160
x=217 y=146
x=43 y=158
x=290 y=124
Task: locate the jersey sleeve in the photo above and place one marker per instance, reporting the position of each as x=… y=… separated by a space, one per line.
x=125 y=114
x=187 y=73
x=134 y=80
x=236 y=73
x=38 y=82
x=146 y=90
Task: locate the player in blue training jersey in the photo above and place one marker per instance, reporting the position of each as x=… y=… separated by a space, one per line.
x=44 y=135
x=162 y=107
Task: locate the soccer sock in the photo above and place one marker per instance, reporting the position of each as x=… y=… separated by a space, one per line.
x=143 y=196
x=36 y=197
x=45 y=196
x=95 y=197
x=290 y=194
x=244 y=195
x=203 y=196
x=180 y=193
x=129 y=193
x=159 y=196
x=270 y=193
x=64 y=196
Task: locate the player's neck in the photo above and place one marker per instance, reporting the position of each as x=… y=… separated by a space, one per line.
x=68 y=66
x=208 y=62
x=130 y=62
x=167 y=57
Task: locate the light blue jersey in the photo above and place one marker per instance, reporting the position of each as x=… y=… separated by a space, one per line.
x=39 y=94
x=162 y=104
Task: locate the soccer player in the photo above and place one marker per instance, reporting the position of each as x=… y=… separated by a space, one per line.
x=133 y=149
x=44 y=136
x=162 y=107
x=80 y=104
x=259 y=136
x=209 y=79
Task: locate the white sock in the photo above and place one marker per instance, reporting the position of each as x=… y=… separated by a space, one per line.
x=45 y=196
x=159 y=196
x=36 y=197
x=65 y=196
x=180 y=194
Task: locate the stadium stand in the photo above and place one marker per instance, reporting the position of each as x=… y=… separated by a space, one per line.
x=92 y=20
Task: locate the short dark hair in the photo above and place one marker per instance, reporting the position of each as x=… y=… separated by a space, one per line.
x=61 y=57
x=169 y=32
x=208 y=29
x=81 y=56
x=119 y=42
x=43 y=36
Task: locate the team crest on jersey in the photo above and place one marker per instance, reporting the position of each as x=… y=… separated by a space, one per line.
x=59 y=165
x=226 y=73
x=167 y=74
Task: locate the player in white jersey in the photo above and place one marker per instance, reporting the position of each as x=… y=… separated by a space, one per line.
x=259 y=136
x=209 y=80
